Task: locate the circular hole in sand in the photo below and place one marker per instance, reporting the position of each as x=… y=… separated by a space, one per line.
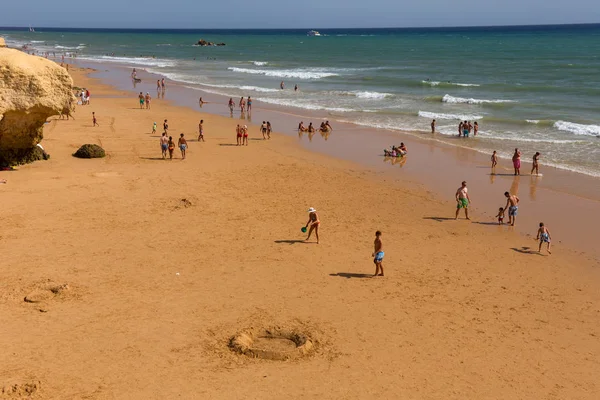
x=271 y=344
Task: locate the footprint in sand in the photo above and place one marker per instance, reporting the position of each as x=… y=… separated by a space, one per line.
x=43 y=294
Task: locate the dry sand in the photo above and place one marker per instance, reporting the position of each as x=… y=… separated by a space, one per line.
x=157 y=285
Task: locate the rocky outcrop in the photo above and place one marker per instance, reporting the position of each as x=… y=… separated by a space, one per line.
x=2 y=42
x=31 y=90
x=203 y=42
x=90 y=151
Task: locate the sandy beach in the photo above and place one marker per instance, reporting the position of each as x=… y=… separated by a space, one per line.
x=146 y=268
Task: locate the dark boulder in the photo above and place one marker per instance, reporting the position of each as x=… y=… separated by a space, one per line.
x=90 y=151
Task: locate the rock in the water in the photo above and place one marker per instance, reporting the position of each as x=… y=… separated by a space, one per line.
x=31 y=90
x=90 y=151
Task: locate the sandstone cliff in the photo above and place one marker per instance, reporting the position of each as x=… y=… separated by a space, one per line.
x=31 y=90
x=2 y=43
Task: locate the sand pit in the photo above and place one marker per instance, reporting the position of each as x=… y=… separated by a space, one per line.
x=271 y=344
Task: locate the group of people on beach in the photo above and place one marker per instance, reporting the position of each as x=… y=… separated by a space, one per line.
x=167 y=145
x=144 y=100
x=399 y=151
x=516 y=159
x=325 y=127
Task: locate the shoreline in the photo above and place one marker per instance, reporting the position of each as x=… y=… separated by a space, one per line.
x=165 y=261
x=440 y=175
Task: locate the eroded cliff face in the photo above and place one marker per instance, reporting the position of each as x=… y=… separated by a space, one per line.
x=31 y=90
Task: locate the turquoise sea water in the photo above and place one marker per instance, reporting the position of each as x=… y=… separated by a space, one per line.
x=535 y=88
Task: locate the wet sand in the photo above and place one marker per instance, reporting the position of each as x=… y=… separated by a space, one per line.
x=562 y=199
x=166 y=260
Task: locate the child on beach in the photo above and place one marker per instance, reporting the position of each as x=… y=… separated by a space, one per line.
x=201 y=131
x=378 y=254
x=154 y=128
x=182 y=146
x=171 y=147
x=494 y=160
x=500 y=216
x=543 y=235
x=94 y=120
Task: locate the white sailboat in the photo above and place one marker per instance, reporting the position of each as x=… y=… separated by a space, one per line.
x=31 y=29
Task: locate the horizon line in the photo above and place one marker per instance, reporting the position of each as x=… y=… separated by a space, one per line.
x=310 y=28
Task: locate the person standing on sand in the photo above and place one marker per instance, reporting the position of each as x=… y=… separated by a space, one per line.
x=148 y=98
x=165 y=127
x=475 y=128
x=313 y=220
x=242 y=104
x=245 y=132
x=516 y=159
x=141 y=98
x=269 y=130
x=462 y=200
x=543 y=235
x=158 y=85
x=164 y=144
x=263 y=129
x=171 y=147
x=162 y=85
x=94 y=120
x=433 y=126
x=231 y=105
x=460 y=129
x=238 y=133
x=536 y=163
x=249 y=104
x=154 y=128
x=378 y=254
x=494 y=161
x=512 y=204
x=201 y=131
x=182 y=146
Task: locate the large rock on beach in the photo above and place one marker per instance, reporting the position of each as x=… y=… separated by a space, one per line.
x=2 y=42
x=31 y=90
x=90 y=151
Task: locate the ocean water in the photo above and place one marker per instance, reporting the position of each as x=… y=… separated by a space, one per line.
x=535 y=88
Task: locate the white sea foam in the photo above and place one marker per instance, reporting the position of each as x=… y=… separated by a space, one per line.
x=460 y=100
x=306 y=106
x=578 y=129
x=533 y=121
x=259 y=63
x=461 y=117
x=372 y=95
x=436 y=83
x=243 y=87
x=143 y=61
x=38 y=41
x=80 y=47
x=287 y=73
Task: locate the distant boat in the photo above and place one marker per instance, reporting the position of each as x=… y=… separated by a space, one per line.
x=31 y=29
x=313 y=33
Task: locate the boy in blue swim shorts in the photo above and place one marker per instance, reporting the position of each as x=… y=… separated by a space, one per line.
x=378 y=254
x=543 y=235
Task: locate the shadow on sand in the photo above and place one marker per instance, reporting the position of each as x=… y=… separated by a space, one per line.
x=349 y=275
x=526 y=250
x=153 y=158
x=293 y=241
x=439 y=219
